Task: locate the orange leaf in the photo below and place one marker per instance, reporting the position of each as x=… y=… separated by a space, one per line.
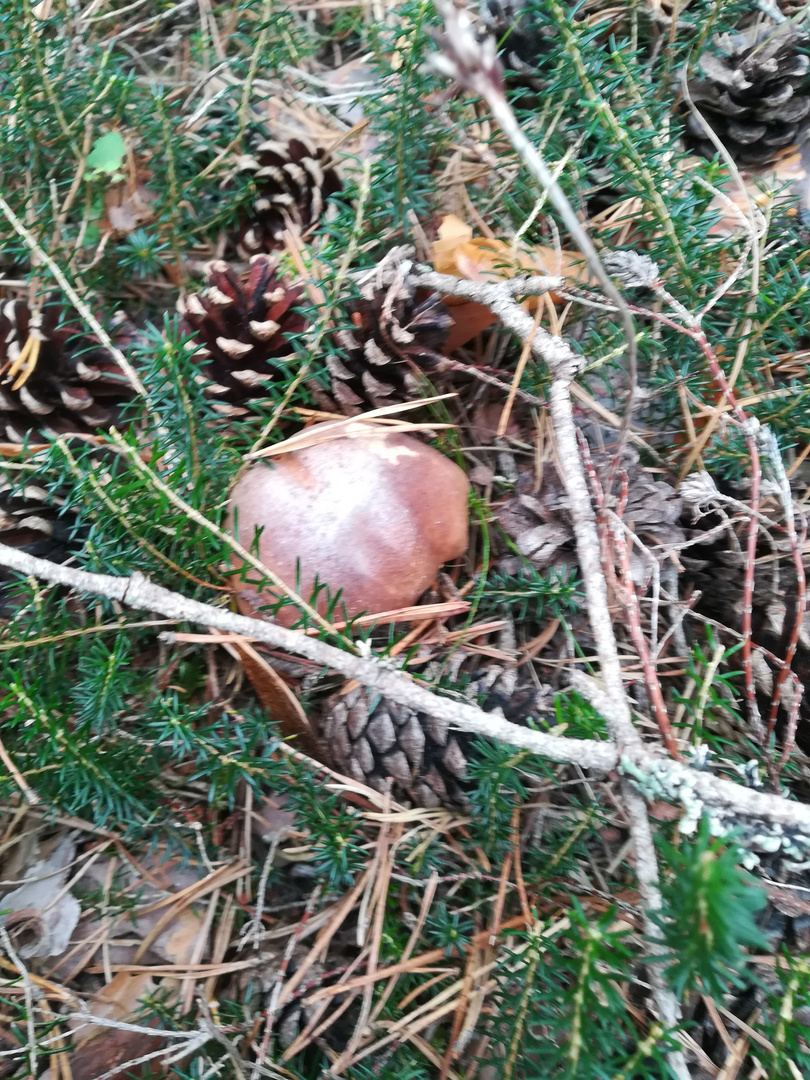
x=459 y=253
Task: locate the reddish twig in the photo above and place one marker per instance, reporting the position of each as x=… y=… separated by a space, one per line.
x=629 y=599
x=749 y=427
x=626 y=590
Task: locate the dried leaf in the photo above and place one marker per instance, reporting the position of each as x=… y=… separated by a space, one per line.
x=276 y=696
x=270 y=821
x=117 y=1000
x=98 y=1050
x=40 y=917
x=128 y=207
x=459 y=253
x=542 y=543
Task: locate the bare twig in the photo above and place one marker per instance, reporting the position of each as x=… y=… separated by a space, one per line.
x=563 y=364
x=475 y=66
x=647 y=878
x=151 y=21
x=629 y=599
x=138 y=592
x=796 y=539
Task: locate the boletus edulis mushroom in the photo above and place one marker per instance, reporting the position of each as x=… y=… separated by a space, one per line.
x=373 y=514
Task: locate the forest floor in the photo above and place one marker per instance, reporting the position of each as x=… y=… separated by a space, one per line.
x=468 y=350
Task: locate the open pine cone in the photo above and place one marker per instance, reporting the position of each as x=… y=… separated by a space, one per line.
x=753 y=90
x=242 y=326
x=396 y=336
x=31 y=523
x=539 y=523
x=55 y=379
x=293 y=182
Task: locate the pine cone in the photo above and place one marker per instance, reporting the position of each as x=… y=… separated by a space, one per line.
x=30 y=522
x=293 y=182
x=540 y=524
x=33 y=513
x=375 y=741
x=54 y=378
x=395 y=337
x=242 y=326
x=754 y=92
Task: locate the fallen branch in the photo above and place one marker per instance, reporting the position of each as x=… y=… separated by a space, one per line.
x=564 y=364
x=139 y=593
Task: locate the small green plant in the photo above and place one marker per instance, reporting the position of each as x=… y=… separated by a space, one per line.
x=530 y=594
x=106 y=158
x=708 y=669
x=141 y=252
x=561 y=1009
x=336 y=842
x=496 y=789
x=448 y=930
x=579 y=717
x=708 y=914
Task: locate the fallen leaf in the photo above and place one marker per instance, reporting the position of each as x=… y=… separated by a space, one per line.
x=39 y=916
x=274 y=694
x=459 y=253
x=117 y=1000
x=128 y=207
x=175 y=942
x=98 y=1050
x=272 y=821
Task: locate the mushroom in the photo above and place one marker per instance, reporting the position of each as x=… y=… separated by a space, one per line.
x=373 y=514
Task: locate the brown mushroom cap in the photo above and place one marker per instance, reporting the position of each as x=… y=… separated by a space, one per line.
x=374 y=516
